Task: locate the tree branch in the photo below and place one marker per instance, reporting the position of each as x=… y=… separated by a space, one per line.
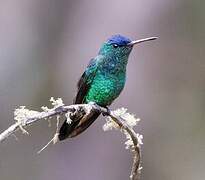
x=118 y=119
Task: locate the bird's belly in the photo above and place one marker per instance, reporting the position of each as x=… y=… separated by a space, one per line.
x=105 y=89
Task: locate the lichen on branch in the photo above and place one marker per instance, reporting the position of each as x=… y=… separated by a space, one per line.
x=116 y=119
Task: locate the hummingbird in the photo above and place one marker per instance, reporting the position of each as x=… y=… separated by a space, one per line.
x=102 y=81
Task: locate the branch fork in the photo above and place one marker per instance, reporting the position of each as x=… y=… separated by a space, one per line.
x=115 y=119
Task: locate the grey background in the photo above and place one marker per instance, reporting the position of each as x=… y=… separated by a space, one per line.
x=45 y=46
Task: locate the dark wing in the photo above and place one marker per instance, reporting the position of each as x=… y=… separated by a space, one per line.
x=85 y=81
x=79 y=124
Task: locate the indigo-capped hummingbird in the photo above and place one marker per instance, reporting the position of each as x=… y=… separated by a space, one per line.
x=102 y=82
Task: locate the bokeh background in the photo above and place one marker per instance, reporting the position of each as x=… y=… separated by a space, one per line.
x=44 y=48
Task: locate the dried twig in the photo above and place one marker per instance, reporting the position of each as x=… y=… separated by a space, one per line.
x=118 y=119
x=125 y=122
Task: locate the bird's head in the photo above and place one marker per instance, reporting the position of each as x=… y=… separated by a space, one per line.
x=120 y=46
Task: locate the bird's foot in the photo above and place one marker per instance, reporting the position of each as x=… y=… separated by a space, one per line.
x=107 y=113
x=103 y=109
x=97 y=107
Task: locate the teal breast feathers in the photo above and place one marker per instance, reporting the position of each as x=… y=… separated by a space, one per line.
x=105 y=88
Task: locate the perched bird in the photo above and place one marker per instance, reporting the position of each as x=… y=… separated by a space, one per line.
x=102 y=82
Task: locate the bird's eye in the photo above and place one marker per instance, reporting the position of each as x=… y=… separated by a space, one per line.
x=115 y=45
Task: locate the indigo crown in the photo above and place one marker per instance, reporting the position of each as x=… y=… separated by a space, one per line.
x=119 y=40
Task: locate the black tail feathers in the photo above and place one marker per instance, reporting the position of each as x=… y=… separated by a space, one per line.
x=77 y=126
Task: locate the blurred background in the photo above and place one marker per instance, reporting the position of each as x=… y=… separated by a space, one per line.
x=44 y=48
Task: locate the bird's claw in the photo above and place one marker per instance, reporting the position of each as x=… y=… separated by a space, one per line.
x=99 y=108
x=107 y=111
